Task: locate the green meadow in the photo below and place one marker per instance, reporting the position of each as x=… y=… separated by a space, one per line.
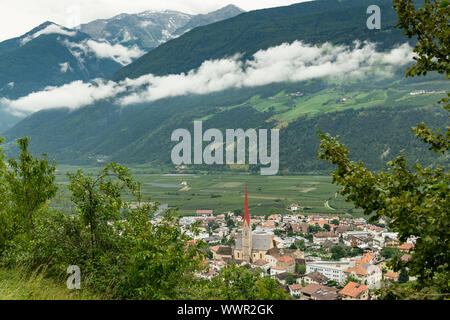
x=223 y=192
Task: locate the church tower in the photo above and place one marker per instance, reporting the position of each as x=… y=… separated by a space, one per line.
x=246 y=232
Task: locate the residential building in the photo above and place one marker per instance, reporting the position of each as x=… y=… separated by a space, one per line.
x=355 y=291
x=321 y=237
x=315 y=291
x=295 y=289
x=205 y=213
x=367 y=274
x=315 y=277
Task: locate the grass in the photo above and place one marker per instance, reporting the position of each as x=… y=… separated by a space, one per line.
x=18 y=284
x=288 y=108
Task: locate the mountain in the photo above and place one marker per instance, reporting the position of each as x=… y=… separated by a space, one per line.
x=7 y=120
x=372 y=113
x=225 y=13
x=315 y=22
x=150 y=29
x=52 y=55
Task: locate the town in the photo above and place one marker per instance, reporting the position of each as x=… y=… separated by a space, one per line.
x=313 y=257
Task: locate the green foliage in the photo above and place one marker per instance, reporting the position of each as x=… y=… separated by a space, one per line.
x=300 y=268
x=312 y=229
x=429 y=24
x=390 y=252
x=122 y=252
x=237 y=283
x=337 y=252
x=30 y=184
x=350 y=278
x=5 y=232
x=159 y=261
x=403 y=276
x=415 y=199
x=291 y=279
x=98 y=201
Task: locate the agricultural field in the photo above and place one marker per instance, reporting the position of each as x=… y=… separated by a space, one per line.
x=224 y=192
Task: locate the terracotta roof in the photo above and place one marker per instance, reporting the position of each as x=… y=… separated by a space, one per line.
x=204 y=211
x=260 y=262
x=406 y=246
x=320 y=292
x=215 y=248
x=358 y=269
x=325 y=234
x=296 y=286
x=225 y=250
x=406 y=257
x=317 y=277
x=311 y=288
x=353 y=289
x=366 y=259
x=286 y=259
x=391 y=275
x=282 y=276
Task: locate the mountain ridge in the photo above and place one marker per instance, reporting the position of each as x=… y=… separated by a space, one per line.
x=149 y=29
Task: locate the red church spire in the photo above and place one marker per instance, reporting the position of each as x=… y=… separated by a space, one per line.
x=246 y=212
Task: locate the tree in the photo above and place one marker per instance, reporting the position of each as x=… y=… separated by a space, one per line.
x=430 y=25
x=31 y=184
x=300 y=268
x=415 y=199
x=337 y=252
x=99 y=200
x=351 y=278
x=5 y=225
x=335 y=222
x=314 y=228
x=301 y=244
x=389 y=252
x=403 y=276
x=277 y=232
x=159 y=261
x=291 y=279
x=238 y=283
x=327 y=227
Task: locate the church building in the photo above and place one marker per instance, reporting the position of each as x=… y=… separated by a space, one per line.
x=251 y=246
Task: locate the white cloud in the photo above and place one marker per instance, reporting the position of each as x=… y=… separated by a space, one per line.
x=50 y=29
x=103 y=49
x=287 y=62
x=64 y=67
x=72 y=96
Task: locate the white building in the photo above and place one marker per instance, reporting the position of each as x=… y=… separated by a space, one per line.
x=277 y=270
x=333 y=270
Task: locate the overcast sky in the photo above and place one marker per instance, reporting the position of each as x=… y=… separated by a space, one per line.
x=20 y=16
